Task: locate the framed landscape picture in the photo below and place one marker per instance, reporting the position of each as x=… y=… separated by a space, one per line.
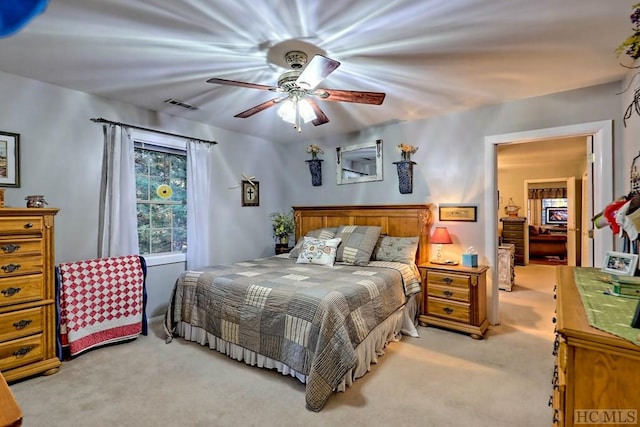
x=458 y=213
x=9 y=159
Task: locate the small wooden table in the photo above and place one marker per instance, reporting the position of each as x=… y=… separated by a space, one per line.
x=10 y=413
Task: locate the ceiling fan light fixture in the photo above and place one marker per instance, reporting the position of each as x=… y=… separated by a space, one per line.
x=296 y=110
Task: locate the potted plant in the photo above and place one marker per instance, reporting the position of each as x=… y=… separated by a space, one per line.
x=283 y=225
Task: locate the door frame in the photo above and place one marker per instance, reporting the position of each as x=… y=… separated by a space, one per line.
x=602 y=132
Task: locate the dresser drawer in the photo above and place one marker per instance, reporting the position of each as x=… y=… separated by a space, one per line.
x=447 y=279
x=20 y=323
x=448 y=292
x=21 y=225
x=21 y=351
x=449 y=309
x=20 y=265
x=11 y=247
x=19 y=290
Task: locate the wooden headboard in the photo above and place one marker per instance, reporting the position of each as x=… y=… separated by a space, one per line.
x=395 y=220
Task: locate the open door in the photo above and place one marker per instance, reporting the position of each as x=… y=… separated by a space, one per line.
x=572 y=229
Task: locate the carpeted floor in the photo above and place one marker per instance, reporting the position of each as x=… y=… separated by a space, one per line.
x=442 y=379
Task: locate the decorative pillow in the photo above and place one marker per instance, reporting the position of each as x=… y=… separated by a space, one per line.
x=320 y=233
x=358 y=242
x=396 y=249
x=318 y=251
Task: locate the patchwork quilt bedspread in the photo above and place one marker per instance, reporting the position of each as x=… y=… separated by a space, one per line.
x=309 y=317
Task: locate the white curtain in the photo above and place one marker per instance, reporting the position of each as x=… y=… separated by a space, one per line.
x=119 y=223
x=199 y=211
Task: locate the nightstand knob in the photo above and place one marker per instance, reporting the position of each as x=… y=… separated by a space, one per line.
x=447 y=280
x=447 y=293
x=28 y=225
x=448 y=310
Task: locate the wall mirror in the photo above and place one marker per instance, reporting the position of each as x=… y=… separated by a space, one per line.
x=359 y=162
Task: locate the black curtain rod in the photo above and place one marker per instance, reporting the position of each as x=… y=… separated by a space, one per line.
x=101 y=120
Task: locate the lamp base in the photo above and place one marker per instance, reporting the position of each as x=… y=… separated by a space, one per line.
x=443 y=262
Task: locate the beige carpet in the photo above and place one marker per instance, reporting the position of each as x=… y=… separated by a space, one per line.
x=440 y=379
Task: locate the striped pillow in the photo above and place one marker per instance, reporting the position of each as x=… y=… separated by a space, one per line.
x=358 y=243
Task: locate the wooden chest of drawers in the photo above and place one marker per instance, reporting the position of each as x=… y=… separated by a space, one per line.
x=27 y=293
x=596 y=374
x=455 y=297
x=513 y=228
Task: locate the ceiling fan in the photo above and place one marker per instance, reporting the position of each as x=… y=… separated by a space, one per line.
x=300 y=87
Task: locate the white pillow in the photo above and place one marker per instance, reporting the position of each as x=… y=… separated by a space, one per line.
x=318 y=251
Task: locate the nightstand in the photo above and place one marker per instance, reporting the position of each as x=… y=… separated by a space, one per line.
x=455 y=297
x=282 y=248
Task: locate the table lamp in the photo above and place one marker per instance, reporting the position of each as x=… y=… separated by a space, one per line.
x=441 y=237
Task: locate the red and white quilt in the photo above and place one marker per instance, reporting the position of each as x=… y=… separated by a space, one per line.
x=101 y=301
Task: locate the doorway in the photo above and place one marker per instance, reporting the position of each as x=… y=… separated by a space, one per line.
x=601 y=194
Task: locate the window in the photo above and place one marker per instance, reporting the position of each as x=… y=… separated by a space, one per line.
x=161 y=193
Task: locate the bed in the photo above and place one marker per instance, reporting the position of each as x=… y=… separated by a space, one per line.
x=321 y=322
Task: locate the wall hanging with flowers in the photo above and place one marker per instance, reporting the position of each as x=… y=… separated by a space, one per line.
x=405 y=168
x=315 y=164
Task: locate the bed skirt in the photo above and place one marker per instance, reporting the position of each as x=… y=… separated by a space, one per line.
x=402 y=322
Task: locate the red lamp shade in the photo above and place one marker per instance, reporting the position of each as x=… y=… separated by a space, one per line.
x=441 y=236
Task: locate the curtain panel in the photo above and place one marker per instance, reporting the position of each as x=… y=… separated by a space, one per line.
x=199 y=209
x=119 y=222
x=547 y=193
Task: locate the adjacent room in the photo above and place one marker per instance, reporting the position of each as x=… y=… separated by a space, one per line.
x=284 y=213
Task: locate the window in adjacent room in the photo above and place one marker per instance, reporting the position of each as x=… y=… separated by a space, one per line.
x=161 y=193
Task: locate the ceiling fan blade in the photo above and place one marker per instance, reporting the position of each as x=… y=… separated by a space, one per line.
x=321 y=117
x=374 y=98
x=316 y=71
x=243 y=84
x=260 y=107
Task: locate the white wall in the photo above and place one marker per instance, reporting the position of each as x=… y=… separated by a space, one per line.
x=450 y=161
x=61 y=158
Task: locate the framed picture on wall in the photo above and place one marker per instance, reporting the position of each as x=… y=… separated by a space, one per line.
x=9 y=159
x=457 y=213
x=250 y=193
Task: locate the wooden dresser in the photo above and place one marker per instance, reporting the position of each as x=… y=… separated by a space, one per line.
x=27 y=293
x=455 y=297
x=596 y=374
x=513 y=229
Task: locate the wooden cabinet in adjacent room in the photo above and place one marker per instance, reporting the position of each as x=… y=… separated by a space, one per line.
x=596 y=374
x=27 y=293
x=513 y=229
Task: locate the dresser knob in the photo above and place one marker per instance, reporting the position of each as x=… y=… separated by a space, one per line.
x=10 y=268
x=447 y=280
x=21 y=324
x=447 y=293
x=28 y=225
x=10 y=248
x=22 y=351
x=448 y=310
x=9 y=292
x=550 y=403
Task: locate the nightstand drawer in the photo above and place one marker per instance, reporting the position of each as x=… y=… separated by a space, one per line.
x=20 y=323
x=449 y=292
x=447 y=279
x=20 y=352
x=449 y=310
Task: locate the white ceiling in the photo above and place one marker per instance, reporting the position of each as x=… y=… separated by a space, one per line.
x=431 y=57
